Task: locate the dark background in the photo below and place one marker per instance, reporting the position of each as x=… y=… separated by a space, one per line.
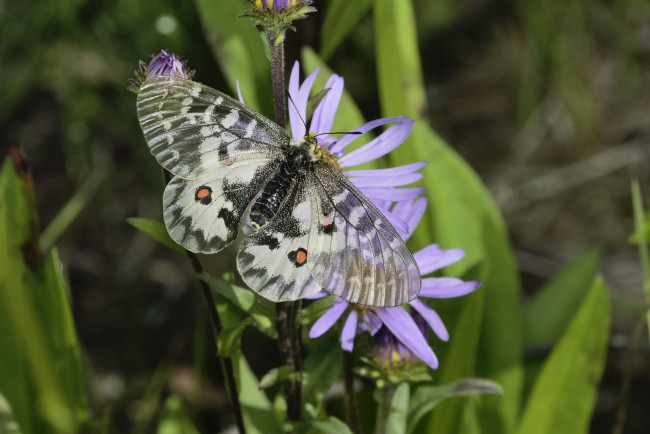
x=547 y=101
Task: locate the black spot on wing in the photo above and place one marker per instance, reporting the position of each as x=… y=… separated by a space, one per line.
x=268 y=240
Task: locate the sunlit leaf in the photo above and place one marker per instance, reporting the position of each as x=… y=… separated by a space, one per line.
x=564 y=395
x=157 y=231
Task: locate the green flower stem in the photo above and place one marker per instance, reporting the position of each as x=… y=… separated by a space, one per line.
x=385 y=399
x=287 y=315
x=226 y=362
x=277 y=73
x=348 y=378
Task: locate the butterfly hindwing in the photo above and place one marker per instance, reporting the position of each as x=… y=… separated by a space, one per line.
x=193 y=129
x=274 y=260
x=203 y=215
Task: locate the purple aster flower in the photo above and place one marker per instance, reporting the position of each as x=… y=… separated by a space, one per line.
x=276 y=5
x=397 y=320
x=163 y=63
x=378 y=184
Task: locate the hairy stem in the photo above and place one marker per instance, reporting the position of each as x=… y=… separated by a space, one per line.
x=384 y=400
x=226 y=362
x=287 y=315
x=348 y=378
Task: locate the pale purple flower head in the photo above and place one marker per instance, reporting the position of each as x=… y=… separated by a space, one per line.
x=377 y=185
x=397 y=320
x=276 y=5
x=163 y=63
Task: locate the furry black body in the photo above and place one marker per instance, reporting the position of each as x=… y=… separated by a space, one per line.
x=297 y=161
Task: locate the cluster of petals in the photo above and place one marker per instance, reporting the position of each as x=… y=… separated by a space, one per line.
x=377 y=184
x=276 y=5
x=404 y=210
x=165 y=63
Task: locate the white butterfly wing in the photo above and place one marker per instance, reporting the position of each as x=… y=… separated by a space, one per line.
x=328 y=235
x=193 y=129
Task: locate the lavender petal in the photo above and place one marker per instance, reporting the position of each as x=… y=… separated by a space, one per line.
x=432 y=318
x=380 y=146
x=432 y=258
x=324 y=114
x=349 y=331
x=447 y=287
x=327 y=320
x=401 y=324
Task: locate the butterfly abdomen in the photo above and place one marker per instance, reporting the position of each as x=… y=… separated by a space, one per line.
x=276 y=190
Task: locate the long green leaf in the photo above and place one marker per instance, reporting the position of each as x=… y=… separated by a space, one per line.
x=550 y=311
x=563 y=398
x=637 y=202
x=34 y=309
x=341 y=17
x=460 y=214
x=157 y=231
x=426 y=398
x=257 y=409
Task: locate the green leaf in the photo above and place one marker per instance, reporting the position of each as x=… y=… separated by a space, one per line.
x=331 y=425
x=174 y=419
x=324 y=366
x=426 y=398
x=637 y=204
x=71 y=209
x=341 y=17
x=8 y=424
x=549 y=312
x=240 y=53
x=256 y=407
x=34 y=309
x=564 y=396
x=229 y=340
x=460 y=214
x=276 y=375
x=397 y=418
x=263 y=316
x=157 y=231
x=460 y=357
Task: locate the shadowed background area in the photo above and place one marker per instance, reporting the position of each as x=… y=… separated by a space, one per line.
x=546 y=101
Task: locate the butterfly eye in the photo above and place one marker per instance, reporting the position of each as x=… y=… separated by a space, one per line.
x=298 y=257
x=203 y=194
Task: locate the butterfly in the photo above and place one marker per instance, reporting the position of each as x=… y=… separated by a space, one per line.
x=306 y=227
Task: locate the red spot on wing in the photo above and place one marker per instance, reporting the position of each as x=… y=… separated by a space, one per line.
x=301 y=257
x=202 y=193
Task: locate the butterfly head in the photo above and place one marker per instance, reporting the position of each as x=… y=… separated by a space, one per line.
x=318 y=152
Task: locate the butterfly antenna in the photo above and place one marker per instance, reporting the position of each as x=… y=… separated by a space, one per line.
x=340 y=132
x=297 y=111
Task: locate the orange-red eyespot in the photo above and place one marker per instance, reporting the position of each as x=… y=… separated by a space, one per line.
x=298 y=257
x=203 y=194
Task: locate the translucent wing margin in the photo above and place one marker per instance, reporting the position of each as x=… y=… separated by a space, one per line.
x=203 y=215
x=328 y=235
x=192 y=129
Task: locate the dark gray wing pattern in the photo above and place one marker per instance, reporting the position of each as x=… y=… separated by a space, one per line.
x=192 y=129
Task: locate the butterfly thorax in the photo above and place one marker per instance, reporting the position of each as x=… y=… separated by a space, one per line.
x=298 y=157
x=295 y=162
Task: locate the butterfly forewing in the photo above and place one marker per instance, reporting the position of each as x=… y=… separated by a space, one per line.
x=370 y=263
x=192 y=129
